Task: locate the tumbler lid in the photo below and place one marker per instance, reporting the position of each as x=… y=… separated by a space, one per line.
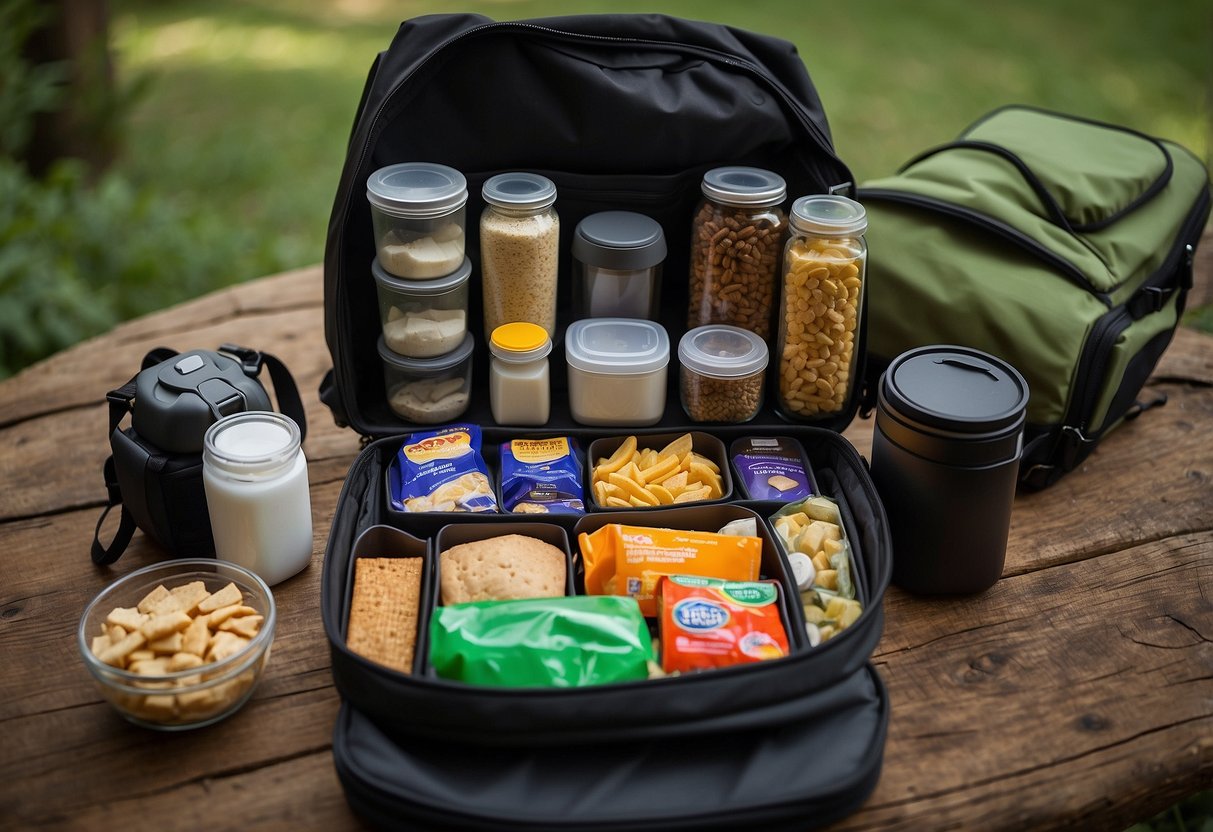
x=955 y=389
x=621 y=240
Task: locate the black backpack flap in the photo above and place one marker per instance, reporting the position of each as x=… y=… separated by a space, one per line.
x=817 y=764
x=622 y=112
x=749 y=696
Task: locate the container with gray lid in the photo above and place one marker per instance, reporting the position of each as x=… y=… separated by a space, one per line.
x=426 y=391
x=617 y=259
x=945 y=459
x=418 y=210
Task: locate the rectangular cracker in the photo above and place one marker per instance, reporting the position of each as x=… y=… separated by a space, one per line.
x=166 y=644
x=196 y=637
x=128 y=618
x=225 y=597
x=224 y=613
x=189 y=596
x=116 y=654
x=245 y=625
x=384 y=610
x=153 y=598
x=160 y=626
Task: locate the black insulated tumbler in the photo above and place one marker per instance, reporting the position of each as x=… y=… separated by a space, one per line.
x=945 y=458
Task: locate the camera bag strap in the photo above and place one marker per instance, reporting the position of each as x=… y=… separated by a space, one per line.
x=289 y=403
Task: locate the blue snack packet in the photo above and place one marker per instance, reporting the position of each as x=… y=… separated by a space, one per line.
x=541 y=476
x=442 y=470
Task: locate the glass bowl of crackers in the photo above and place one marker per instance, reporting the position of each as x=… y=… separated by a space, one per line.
x=180 y=644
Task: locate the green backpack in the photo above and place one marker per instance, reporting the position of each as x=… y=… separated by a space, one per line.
x=1061 y=245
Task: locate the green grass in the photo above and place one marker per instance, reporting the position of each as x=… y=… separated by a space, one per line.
x=251 y=102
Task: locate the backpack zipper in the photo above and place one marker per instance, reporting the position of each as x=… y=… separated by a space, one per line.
x=1007 y=232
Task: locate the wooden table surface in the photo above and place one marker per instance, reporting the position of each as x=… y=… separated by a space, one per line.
x=1078 y=692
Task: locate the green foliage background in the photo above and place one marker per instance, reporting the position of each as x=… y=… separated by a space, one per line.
x=233 y=150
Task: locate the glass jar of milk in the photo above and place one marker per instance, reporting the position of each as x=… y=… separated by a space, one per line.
x=519 y=381
x=255 y=476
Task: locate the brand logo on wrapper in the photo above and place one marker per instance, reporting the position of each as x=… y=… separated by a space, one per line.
x=699 y=615
x=760 y=645
x=446 y=446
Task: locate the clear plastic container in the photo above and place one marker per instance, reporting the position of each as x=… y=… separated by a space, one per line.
x=418 y=210
x=423 y=318
x=617 y=258
x=617 y=371
x=427 y=391
x=519 y=378
x=519 y=249
x=736 y=242
x=824 y=267
x=722 y=373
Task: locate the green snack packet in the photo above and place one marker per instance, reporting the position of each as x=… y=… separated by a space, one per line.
x=541 y=642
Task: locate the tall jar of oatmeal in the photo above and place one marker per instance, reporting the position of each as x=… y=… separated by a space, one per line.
x=819 y=314
x=736 y=241
x=519 y=246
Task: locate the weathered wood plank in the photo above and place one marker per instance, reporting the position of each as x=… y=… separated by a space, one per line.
x=1077 y=695
x=283 y=314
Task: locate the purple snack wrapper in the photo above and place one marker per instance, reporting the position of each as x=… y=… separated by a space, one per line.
x=773 y=468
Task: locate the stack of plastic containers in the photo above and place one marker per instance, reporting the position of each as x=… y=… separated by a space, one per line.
x=419 y=214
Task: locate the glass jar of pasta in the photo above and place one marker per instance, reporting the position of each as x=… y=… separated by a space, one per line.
x=824 y=266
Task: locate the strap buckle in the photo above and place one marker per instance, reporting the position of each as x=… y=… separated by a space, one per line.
x=250 y=360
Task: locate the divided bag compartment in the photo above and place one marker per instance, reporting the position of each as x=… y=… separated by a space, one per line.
x=535 y=757
x=1061 y=245
x=621 y=112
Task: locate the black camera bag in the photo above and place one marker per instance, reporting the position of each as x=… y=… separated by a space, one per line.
x=155 y=468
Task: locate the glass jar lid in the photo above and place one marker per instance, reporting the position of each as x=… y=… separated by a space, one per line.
x=616 y=346
x=520 y=342
x=739 y=185
x=830 y=215
x=621 y=240
x=519 y=190
x=722 y=351
x=417 y=190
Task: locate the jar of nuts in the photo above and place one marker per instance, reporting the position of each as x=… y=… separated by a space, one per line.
x=722 y=373
x=819 y=315
x=736 y=240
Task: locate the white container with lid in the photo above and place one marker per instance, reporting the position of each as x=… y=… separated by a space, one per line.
x=418 y=210
x=722 y=373
x=423 y=318
x=427 y=391
x=255 y=477
x=617 y=259
x=519 y=250
x=617 y=371
x=519 y=378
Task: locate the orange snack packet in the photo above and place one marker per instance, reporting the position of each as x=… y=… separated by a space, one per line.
x=630 y=560
x=705 y=623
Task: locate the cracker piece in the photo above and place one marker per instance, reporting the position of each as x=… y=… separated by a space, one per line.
x=224 y=644
x=141 y=655
x=502 y=568
x=780 y=482
x=158 y=706
x=152 y=598
x=98 y=645
x=224 y=613
x=384 y=610
x=196 y=637
x=127 y=618
x=189 y=596
x=245 y=625
x=149 y=667
x=116 y=654
x=168 y=644
x=227 y=596
x=115 y=633
x=160 y=626
x=184 y=661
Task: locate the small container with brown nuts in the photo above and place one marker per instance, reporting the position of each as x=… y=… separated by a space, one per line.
x=736 y=242
x=819 y=314
x=723 y=368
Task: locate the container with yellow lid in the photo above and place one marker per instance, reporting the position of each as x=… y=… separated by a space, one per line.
x=519 y=380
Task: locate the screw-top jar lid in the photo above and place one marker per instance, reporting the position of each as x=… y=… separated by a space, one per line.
x=829 y=214
x=519 y=190
x=739 y=185
x=520 y=342
x=616 y=346
x=722 y=351
x=428 y=287
x=428 y=366
x=953 y=404
x=417 y=190
x=619 y=240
